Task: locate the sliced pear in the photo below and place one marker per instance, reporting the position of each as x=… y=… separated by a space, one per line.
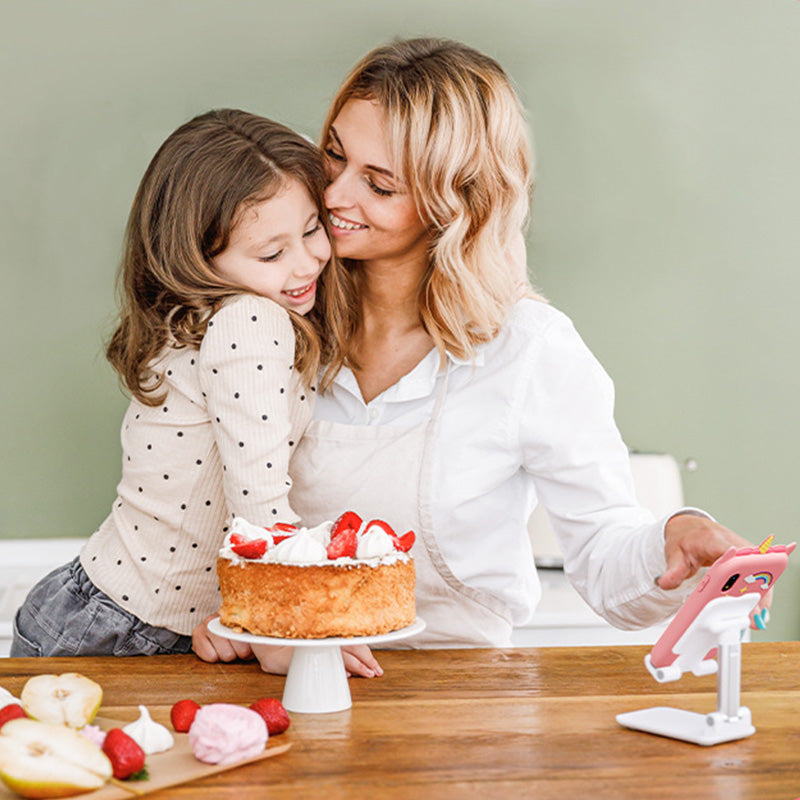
x=41 y=760
x=68 y=699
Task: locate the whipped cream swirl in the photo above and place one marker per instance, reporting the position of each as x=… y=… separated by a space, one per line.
x=308 y=546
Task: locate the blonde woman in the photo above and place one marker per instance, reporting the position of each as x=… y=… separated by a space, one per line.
x=458 y=405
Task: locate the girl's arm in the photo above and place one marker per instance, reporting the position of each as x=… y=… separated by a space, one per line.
x=247 y=361
x=246 y=368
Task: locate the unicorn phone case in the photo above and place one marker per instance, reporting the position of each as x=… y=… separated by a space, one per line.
x=749 y=570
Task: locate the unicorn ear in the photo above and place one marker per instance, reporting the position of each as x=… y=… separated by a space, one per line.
x=727 y=555
x=790 y=547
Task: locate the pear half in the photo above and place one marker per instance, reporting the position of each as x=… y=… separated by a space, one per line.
x=68 y=699
x=41 y=760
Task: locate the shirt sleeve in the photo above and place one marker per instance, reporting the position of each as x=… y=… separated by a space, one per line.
x=245 y=362
x=613 y=548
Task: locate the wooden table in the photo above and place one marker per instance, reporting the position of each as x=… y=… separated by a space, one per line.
x=523 y=723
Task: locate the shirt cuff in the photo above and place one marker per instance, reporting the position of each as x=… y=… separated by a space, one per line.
x=690 y=511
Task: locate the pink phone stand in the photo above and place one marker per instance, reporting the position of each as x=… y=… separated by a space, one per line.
x=721 y=624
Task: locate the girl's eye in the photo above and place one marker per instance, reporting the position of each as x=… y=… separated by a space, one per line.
x=377 y=189
x=317 y=227
x=331 y=153
x=273 y=257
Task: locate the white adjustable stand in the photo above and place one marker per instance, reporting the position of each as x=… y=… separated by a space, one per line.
x=721 y=623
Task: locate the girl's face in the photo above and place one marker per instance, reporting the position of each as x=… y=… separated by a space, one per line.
x=372 y=214
x=278 y=248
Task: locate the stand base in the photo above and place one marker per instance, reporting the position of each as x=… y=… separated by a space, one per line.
x=316 y=682
x=688 y=726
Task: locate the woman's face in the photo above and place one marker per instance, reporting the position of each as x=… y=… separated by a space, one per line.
x=372 y=214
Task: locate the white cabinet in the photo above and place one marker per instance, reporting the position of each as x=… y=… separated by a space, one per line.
x=22 y=563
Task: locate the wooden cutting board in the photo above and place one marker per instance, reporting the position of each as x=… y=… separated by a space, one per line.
x=177 y=765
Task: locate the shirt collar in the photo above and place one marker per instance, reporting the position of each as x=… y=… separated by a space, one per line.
x=418 y=383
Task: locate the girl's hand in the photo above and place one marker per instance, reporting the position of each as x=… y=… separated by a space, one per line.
x=273 y=658
x=692 y=542
x=210 y=647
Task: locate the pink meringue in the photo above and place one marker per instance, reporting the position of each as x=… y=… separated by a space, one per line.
x=94 y=734
x=223 y=733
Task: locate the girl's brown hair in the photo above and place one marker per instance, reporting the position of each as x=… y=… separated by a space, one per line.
x=460 y=141
x=184 y=211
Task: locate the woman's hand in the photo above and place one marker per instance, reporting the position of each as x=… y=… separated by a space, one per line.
x=692 y=542
x=210 y=647
x=358 y=660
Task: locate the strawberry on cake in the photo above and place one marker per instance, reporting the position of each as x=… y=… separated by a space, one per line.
x=342 y=578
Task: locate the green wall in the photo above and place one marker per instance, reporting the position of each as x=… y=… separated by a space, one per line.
x=665 y=217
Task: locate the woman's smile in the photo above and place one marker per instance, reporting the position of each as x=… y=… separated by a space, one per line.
x=364 y=185
x=339 y=224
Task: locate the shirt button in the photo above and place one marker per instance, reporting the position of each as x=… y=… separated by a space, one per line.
x=374 y=414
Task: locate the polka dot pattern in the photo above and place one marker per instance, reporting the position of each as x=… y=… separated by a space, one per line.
x=236 y=401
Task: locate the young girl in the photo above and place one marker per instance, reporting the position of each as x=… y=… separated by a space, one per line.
x=226 y=250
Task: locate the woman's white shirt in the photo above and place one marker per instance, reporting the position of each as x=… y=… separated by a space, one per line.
x=529 y=419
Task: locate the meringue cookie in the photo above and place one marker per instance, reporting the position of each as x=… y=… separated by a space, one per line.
x=151 y=736
x=374 y=543
x=300 y=548
x=248 y=530
x=223 y=733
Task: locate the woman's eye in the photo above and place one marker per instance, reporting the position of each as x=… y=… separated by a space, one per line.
x=378 y=190
x=273 y=257
x=331 y=153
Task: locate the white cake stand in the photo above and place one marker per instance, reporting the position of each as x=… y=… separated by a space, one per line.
x=316 y=682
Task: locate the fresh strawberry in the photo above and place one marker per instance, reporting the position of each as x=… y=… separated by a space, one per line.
x=253 y=548
x=344 y=543
x=283 y=526
x=125 y=755
x=403 y=543
x=10 y=712
x=279 y=539
x=182 y=715
x=347 y=521
x=384 y=526
x=274 y=714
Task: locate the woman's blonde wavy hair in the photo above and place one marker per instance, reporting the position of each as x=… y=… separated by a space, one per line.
x=187 y=204
x=459 y=139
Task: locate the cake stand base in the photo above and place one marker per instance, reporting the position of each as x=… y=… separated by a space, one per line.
x=316 y=682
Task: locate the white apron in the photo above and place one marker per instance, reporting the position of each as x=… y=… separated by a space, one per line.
x=384 y=472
